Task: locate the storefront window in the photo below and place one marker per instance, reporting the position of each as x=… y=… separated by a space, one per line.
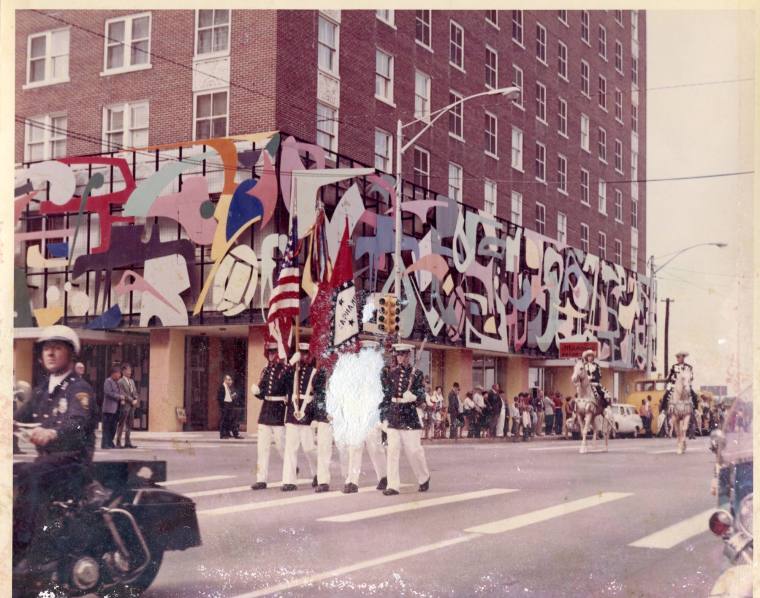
x=484 y=371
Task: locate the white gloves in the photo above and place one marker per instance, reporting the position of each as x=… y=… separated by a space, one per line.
x=296 y=358
x=255 y=390
x=409 y=397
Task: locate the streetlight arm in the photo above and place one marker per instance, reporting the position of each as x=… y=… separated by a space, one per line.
x=685 y=249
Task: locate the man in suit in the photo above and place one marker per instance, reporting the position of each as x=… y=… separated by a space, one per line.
x=127 y=413
x=227 y=397
x=113 y=397
x=493 y=401
x=455 y=411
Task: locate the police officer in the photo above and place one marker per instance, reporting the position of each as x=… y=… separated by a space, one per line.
x=273 y=387
x=675 y=370
x=404 y=391
x=595 y=376
x=63 y=406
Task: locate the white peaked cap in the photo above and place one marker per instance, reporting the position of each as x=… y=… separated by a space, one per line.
x=303 y=346
x=402 y=347
x=369 y=344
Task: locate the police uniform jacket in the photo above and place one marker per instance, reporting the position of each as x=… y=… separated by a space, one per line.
x=296 y=396
x=276 y=381
x=317 y=409
x=403 y=416
x=69 y=410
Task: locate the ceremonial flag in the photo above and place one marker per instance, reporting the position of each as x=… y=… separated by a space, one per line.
x=320 y=270
x=283 y=303
x=345 y=324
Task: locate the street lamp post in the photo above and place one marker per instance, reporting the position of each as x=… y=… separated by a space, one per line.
x=401 y=147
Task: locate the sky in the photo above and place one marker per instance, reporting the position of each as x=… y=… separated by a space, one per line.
x=697 y=129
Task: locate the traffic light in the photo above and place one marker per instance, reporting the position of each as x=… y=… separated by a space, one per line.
x=388 y=314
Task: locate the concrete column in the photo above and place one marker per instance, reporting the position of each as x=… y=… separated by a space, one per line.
x=23 y=358
x=458 y=368
x=167 y=379
x=517 y=376
x=215 y=374
x=256 y=363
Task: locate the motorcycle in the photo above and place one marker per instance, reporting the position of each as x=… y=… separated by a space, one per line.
x=109 y=538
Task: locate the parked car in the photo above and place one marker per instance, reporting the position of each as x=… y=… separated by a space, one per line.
x=627 y=420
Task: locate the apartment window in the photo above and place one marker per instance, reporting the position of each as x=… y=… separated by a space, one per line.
x=383 y=149
x=456 y=126
x=327 y=128
x=618 y=252
x=562 y=173
x=562 y=16
x=618 y=105
x=585 y=77
x=421 y=167
x=561 y=228
x=541 y=43
x=619 y=155
x=540 y=218
x=618 y=205
x=634 y=213
x=422 y=22
x=585 y=26
x=455 y=182
x=602 y=143
x=491 y=135
x=48 y=57
x=212 y=34
x=584 y=237
x=602 y=196
x=634 y=118
x=492 y=68
x=618 y=57
x=517 y=149
x=602 y=241
x=602 y=93
x=584 y=132
x=327 y=44
x=489 y=197
x=635 y=25
x=387 y=16
x=517 y=26
x=585 y=187
x=540 y=163
x=126 y=125
x=634 y=167
x=562 y=113
x=634 y=252
x=45 y=137
x=562 y=60
x=456 y=45
x=383 y=76
x=492 y=16
x=127 y=42
x=602 y=42
x=515 y=216
x=421 y=95
x=619 y=17
x=517 y=81
x=635 y=71
x=541 y=102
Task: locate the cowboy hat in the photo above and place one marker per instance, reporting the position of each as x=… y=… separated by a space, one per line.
x=682 y=354
x=588 y=352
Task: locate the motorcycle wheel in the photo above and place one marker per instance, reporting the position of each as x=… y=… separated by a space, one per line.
x=142 y=583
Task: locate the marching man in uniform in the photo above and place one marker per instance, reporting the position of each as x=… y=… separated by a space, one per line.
x=324 y=431
x=298 y=417
x=276 y=380
x=595 y=376
x=404 y=391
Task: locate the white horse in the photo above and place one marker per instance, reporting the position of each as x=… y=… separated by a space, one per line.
x=680 y=409
x=588 y=410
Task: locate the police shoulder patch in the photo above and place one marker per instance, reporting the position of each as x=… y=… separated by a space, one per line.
x=84 y=399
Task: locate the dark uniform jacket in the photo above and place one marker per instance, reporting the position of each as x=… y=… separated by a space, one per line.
x=70 y=410
x=403 y=416
x=454 y=407
x=276 y=381
x=317 y=409
x=304 y=373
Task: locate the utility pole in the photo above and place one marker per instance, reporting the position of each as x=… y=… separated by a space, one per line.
x=667 y=301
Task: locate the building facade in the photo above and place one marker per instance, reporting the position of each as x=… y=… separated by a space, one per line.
x=192 y=131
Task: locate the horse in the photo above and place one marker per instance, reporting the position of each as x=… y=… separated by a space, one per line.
x=587 y=409
x=680 y=409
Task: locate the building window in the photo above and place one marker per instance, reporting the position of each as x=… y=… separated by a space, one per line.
x=602 y=240
x=602 y=93
x=585 y=27
x=455 y=182
x=456 y=125
x=422 y=22
x=456 y=45
x=562 y=112
x=634 y=118
x=602 y=42
x=602 y=196
x=212 y=34
x=421 y=168
x=492 y=16
x=211 y=111
x=618 y=252
x=584 y=237
x=585 y=187
x=634 y=213
x=48 y=57
x=584 y=132
x=585 y=84
x=618 y=57
x=635 y=71
x=541 y=102
x=515 y=216
x=618 y=205
x=421 y=96
x=561 y=228
x=619 y=156
x=619 y=17
x=635 y=25
x=489 y=197
x=541 y=43
x=618 y=105
x=327 y=128
x=517 y=81
x=327 y=44
x=387 y=16
x=634 y=167
x=517 y=149
x=383 y=76
x=491 y=135
x=602 y=145
x=126 y=125
x=540 y=218
x=383 y=149
x=540 y=164
x=562 y=173
x=517 y=26
x=562 y=16
x=492 y=68
x=127 y=42
x=562 y=60
x=45 y=137
x=634 y=251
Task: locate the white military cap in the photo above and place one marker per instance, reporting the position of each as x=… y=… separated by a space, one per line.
x=369 y=344
x=271 y=346
x=402 y=347
x=303 y=346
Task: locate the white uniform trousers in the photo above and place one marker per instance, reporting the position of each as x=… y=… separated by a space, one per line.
x=376 y=452
x=324 y=452
x=265 y=435
x=414 y=454
x=297 y=436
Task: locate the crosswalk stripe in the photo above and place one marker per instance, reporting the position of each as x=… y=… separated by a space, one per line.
x=675 y=534
x=518 y=521
x=233 y=489
x=415 y=504
x=210 y=478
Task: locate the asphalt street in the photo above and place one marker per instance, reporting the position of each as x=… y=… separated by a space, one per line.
x=501 y=518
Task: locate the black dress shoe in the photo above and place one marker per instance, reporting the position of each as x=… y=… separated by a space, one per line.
x=350 y=488
x=322 y=488
x=314 y=482
x=259 y=486
x=105 y=448
x=424 y=486
x=129 y=446
x=382 y=484
x=289 y=487
x=118 y=445
x=390 y=492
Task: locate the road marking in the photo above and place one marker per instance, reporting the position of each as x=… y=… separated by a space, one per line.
x=233 y=489
x=416 y=504
x=210 y=478
x=518 y=521
x=675 y=534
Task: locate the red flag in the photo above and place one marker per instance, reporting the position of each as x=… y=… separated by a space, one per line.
x=345 y=321
x=319 y=312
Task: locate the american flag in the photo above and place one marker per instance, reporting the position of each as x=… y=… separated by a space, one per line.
x=283 y=303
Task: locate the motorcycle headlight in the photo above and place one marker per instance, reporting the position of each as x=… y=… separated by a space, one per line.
x=744 y=518
x=720 y=523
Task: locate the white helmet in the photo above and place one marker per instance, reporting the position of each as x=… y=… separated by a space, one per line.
x=58 y=332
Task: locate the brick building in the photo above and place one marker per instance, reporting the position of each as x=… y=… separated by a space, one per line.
x=561 y=162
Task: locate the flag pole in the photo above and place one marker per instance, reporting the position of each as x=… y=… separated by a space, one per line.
x=297 y=317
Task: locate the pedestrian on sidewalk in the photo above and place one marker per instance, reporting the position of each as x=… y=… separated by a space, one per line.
x=455 y=412
x=112 y=401
x=558 y=412
x=480 y=410
x=494 y=405
x=127 y=412
x=548 y=415
x=469 y=413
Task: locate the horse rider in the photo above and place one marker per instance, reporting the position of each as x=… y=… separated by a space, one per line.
x=594 y=373
x=676 y=370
